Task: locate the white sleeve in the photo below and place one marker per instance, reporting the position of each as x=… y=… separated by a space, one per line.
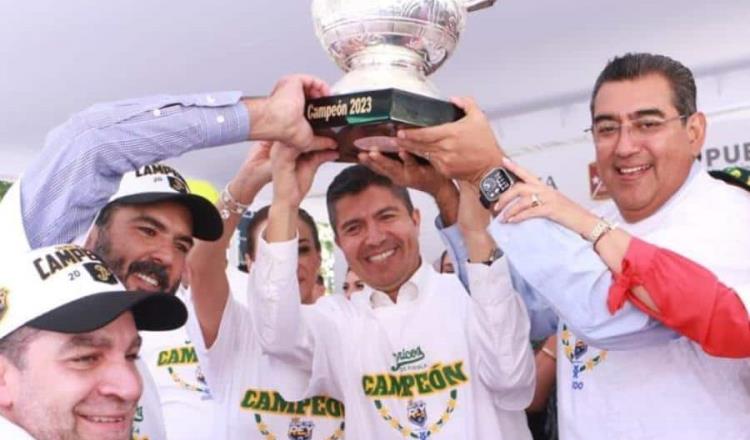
x=499 y=336
x=294 y=336
x=232 y=344
x=149 y=419
x=274 y=298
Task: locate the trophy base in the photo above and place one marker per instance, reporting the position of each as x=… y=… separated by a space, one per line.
x=364 y=121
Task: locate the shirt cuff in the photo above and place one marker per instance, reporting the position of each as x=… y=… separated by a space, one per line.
x=490 y=284
x=226 y=125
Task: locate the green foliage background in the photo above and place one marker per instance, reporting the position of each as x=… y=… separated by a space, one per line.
x=4 y=187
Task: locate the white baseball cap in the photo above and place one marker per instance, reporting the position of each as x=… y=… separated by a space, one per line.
x=160 y=183
x=68 y=289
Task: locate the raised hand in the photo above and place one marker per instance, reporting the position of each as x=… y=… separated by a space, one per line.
x=407 y=172
x=473 y=218
x=254 y=173
x=423 y=177
x=280 y=117
x=464 y=150
x=294 y=171
x=535 y=199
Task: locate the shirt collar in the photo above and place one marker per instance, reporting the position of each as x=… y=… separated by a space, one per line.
x=409 y=292
x=11 y=430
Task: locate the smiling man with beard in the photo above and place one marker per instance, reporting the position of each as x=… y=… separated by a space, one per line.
x=412 y=336
x=148 y=218
x=146 y=230
x=144 y=234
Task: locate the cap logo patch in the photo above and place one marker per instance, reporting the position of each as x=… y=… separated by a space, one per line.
x=100 y=273
x=4 y=292
x=178 y=185
x=60 y=258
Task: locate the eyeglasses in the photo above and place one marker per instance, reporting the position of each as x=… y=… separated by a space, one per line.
x=607 y=132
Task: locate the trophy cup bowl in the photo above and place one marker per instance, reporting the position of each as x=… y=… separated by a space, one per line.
x=387 y=49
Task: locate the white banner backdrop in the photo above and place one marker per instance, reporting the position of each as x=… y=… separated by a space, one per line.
x=728 y=140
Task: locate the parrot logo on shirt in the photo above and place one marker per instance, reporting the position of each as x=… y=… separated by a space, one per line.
x=300 y=429
x=417 y=412
x=580 y=349
x=574 y=350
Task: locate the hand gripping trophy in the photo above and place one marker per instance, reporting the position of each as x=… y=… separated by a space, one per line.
x=387 y=49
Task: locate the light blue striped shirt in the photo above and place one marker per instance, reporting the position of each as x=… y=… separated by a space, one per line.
x=83 y=159
x=559 y=276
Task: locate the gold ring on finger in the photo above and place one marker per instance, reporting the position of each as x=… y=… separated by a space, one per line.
x=535 y=200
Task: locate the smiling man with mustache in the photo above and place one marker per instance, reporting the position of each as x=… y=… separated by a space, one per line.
x=144 y=234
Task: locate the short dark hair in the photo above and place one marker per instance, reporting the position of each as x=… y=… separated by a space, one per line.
x=636 y=65
x=13 y=346
x=105 y=214
x=262 y=215
x=355 y=179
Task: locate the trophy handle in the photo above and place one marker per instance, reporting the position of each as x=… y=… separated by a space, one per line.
x=475 y=5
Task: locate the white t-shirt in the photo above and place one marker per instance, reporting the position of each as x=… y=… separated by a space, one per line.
x=11 y=431
x=242 y=380
x=438 y=364
x=672 y=391
x=148 y=423
x=185 y=399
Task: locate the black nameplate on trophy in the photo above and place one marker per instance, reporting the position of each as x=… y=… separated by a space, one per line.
x=365 y=120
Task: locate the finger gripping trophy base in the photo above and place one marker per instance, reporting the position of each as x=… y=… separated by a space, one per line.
x=387 y=49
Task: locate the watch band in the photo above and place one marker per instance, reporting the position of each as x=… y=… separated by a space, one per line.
x=495 y=255
x=598 y=231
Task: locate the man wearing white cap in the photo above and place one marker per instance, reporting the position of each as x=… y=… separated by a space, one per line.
x=68 y=345
x=144 y=233
x=145 y=230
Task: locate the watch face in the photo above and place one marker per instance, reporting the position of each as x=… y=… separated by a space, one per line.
x=496 y=183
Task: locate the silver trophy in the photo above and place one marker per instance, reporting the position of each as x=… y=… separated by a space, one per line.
x=387 y=49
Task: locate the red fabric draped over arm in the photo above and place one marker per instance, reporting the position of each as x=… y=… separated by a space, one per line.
x=689 y=297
